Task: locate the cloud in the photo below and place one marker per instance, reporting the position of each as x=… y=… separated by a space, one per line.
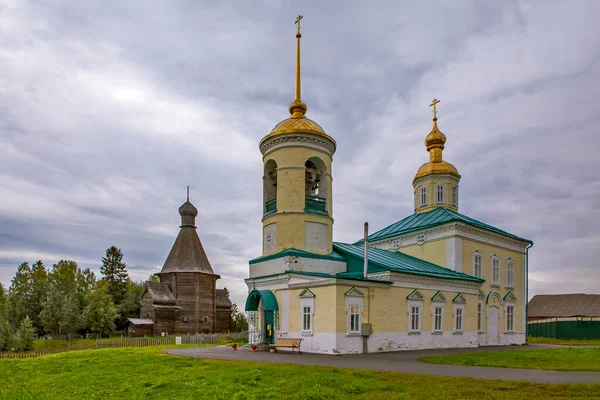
x=108 y=110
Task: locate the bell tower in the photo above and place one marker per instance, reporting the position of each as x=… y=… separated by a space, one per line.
x=436 y=182
x=297 y=195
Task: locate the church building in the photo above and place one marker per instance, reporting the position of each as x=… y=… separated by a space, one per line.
x=435 y=279
x=186 y=299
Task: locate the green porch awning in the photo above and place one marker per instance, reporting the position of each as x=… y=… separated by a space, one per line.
x=268 y=298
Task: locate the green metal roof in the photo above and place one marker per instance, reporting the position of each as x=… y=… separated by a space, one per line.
x=399 y=262
x=437 y=216
x=299 y=253
x=341 y=275
x=268 y=298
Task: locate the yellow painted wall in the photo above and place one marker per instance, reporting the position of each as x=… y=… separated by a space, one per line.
x=468 y=248
x=290 y=215
x=432 y=251
x=390 y=310
x=294 y=311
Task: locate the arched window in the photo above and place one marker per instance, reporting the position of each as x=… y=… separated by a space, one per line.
x=423 y=195
x=454 y=195
x=440 y=195
x=495 y=270
x=510 y=273
x=270 y=187
x=477 y=262
x=316 y=185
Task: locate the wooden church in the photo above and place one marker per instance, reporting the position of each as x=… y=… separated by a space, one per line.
x=186 y=299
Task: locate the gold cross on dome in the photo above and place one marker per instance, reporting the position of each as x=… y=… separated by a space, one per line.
x=434 y=103
x=298 y=22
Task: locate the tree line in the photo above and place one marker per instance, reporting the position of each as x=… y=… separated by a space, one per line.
x=67 y=301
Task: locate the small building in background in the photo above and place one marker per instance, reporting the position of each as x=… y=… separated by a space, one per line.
x=564 y=316
x=186 y=299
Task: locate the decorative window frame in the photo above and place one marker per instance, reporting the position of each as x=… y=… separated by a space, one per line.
x=480 y=316
x=476 y=254
x=354 y=298
x=440 y=188
x=415 y=299
x=307 y=300
x=509 y=300
x=418 y=305
x=510 y=267
x=454 y=195
x=437 y=306
x=458 y=313
x=494 y=259
x=423 y=193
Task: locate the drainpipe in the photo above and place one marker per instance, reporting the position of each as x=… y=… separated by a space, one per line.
x=530 y=245
x=366 y=255
x=366 y=272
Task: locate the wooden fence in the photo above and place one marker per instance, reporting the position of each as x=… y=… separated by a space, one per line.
x=215 y=338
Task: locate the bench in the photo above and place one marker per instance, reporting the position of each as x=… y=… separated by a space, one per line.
x=292 y=343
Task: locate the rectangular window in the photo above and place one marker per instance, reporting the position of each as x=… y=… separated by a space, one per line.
x=438 y=313
x=479 y=315
x=458 y=323
x=415 y=318
x=354 y=319
x=306 y=319
x=495 y=271
x=440 y=194
x=454 y=195
x=423 y=195
x=510 y=318
x=477 y=265
x=510 y=273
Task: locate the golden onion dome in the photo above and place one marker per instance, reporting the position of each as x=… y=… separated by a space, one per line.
x=435 y=142
x=297 y=123
x=436 y=168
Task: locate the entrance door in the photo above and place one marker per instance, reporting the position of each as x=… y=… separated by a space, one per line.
x=269 y=327
x=492 y=326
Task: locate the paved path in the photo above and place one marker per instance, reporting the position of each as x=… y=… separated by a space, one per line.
x=401 y=361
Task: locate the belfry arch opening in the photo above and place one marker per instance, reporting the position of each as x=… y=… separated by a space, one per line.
x=270 y=187
x=316 y=185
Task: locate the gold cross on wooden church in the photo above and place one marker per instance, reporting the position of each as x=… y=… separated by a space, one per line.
x=434 y=103
x=298 y=22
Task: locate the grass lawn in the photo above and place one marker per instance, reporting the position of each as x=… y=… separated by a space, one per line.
x=565 y=342
x=149 y=373
x=53 y=344
x=560 y=359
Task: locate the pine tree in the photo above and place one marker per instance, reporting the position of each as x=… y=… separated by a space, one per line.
x=100 y=313
x=130 y=305
x=25 y=335
x=114 y=272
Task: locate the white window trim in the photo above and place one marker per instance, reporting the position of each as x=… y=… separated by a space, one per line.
x=480 y=316
x=310 y=319
x=506 y=317
x=510 y=265
x=350 y=331
x=424 y=191
x=475 y=254
x=437 y=188
x=455 y=319
x=419 y=305
x=493 y=282
x=454 y=195
x=307 y=302
x=433 y=308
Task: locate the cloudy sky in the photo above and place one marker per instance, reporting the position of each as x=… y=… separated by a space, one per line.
x=108 y=109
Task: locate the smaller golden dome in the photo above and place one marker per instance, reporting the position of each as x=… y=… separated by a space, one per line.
x=435 y=139
x=436 y=168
